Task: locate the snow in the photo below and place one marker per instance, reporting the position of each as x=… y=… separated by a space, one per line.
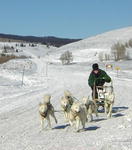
x=44 y=73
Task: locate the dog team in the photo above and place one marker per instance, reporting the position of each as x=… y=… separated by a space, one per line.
x=76 y=112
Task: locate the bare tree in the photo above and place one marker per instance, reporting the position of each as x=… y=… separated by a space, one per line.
x=130 y=43
x=118 y=51
x=107 y=57
x=66 y=57
x=101 y=56
x=127 y=45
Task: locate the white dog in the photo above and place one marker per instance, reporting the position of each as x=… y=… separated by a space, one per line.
x=77 y=114
x=66 y=106
x=68 y=95
x=46 y=110
x=108 y=103
x=66 y=103
x=91 y=107
x=108 y=96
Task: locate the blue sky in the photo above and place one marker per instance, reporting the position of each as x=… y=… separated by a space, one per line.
x=64 y=18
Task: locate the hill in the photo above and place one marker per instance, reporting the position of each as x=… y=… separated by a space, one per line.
x=91 y=48
x=102 y=41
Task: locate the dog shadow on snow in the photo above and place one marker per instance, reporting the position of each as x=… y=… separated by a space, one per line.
x=114 y=109
x=119 y=109
x=92 y=128
x=118 y=115
x=61 y=126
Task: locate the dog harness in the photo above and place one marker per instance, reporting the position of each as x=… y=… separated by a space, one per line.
x=75 y=113
x=44 y=114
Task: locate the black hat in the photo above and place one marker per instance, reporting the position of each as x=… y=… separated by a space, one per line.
x=95 y=66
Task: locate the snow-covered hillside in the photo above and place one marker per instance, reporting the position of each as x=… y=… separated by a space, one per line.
x=95 y=46
x=102 y=41
x=20 y=96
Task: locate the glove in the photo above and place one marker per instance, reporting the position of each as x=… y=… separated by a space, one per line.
x=103 y=78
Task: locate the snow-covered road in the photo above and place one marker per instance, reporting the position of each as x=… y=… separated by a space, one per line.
x=20 y=124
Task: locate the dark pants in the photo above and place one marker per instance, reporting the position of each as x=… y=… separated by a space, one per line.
x=94 y=93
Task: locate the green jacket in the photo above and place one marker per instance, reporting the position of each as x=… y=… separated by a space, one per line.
x=98 y=79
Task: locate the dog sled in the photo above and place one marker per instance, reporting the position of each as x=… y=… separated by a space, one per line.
x=100 y=91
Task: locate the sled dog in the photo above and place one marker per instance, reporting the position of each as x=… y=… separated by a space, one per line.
x=68 y=95
x=66 y=103
x=46 y=110
x=108 y=103
x=66 y=106
x=91 y=107
x=108 y=97
x=77 y=114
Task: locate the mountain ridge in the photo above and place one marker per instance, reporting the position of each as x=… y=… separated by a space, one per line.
x=46 y=40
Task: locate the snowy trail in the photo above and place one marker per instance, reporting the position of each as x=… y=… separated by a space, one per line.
x=20 y=127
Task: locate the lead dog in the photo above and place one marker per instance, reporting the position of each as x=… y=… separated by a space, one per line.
x=77 y=115
x=91 y=107
x=46 y=110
